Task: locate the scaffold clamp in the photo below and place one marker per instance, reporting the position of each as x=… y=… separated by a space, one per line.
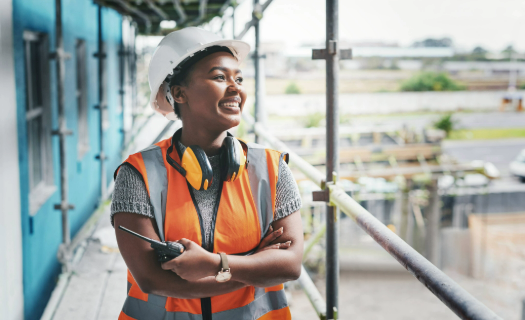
x=322 y=54
x=324 y=195
x=59 y=54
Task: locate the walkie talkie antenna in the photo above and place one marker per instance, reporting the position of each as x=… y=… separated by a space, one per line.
x=142 y=237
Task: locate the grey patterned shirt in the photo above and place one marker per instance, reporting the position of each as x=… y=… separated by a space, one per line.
x=130 y=194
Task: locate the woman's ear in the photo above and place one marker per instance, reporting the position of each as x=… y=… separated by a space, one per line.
x=178 y=94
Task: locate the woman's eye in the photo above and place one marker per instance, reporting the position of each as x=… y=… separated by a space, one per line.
x=220 y=77
x=240 y=80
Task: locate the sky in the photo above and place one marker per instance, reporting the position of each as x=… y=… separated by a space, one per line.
x=492 y=24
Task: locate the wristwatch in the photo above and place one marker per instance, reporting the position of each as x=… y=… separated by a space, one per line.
x=223 y=275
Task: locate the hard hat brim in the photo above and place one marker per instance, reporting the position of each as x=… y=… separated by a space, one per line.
x=240 y=50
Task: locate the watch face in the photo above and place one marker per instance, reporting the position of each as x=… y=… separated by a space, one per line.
x=223 y=276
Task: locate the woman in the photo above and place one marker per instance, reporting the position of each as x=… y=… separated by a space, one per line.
x=234 y=206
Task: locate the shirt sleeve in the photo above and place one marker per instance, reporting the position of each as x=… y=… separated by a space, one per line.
x=130 y=194
x=288 y=198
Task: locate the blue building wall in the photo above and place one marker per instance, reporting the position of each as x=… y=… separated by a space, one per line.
x=42 y=233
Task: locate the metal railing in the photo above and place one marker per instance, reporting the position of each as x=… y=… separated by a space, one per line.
x=457 y=299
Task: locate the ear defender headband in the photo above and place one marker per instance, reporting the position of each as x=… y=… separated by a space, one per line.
x=196 y=168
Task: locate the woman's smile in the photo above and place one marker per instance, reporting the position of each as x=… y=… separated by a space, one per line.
x=231 y=105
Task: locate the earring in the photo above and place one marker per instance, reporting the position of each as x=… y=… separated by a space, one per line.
x=156 y=104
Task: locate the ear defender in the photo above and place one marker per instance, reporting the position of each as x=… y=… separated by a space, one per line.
x=198 y=169
x=233 y=159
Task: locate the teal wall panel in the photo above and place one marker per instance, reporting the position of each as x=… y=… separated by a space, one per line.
x=42 y=232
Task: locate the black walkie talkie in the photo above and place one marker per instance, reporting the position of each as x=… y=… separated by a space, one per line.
x=165 y=250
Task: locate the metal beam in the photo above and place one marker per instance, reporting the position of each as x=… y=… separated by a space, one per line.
x=157 y=10
x=134 y=11
x=255 y=19
x=332 y=156
x=64 y=206
x=180 y=11
x=256 y=61
x=101 y=55
x=202 y=10
x=312 y=293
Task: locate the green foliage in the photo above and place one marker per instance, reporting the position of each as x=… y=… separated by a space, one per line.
x=522 y=86
x=313 y=120
x=292 y=88
x=446 y=123
x=432 y=43
x=485 y=134
x=431 y=81
x=509 y=52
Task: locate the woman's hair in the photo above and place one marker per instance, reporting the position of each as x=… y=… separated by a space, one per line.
x=183 y=69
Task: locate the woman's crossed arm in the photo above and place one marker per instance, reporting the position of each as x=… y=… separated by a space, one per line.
x=191 y=275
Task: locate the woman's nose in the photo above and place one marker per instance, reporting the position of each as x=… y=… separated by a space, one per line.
x=234 y=87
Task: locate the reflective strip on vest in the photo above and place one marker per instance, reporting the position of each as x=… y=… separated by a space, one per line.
x=157 y=174
x=154 y=308
x=260 y=185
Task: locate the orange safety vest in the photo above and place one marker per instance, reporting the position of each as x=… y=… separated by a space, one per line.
x=245 y=210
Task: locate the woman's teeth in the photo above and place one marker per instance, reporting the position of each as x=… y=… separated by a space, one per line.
x=230 y=104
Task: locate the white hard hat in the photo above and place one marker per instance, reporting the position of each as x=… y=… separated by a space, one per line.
x=173 y=49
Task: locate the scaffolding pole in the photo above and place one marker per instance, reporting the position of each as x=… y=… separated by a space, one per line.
x=332 y=156
x=101 y=55
x=62 y=132
x=257 y=66
x=332 y=54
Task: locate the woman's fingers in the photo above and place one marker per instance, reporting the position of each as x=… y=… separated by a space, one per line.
x=272 y=236
x=284 y=245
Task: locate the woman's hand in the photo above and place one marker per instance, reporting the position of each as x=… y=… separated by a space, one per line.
x=195 y=263
x=271 y=235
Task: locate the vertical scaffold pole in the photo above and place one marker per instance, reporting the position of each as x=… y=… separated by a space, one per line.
x=62 y=132
x=233 y=21
x=101 y=55
x=332 y=155
x=257 y=66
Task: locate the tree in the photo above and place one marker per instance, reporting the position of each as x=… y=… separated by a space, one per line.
x=446 y=123
x=292 y=88
x=479 y=51
x=508 y=52
x=432 y=43
x=431 y=81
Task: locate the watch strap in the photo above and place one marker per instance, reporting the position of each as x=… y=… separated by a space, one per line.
x=224 y=261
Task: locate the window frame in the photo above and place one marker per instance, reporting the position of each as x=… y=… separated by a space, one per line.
x=39 y=191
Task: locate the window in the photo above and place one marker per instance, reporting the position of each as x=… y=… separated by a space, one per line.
x=82 y=106
x=38 y=119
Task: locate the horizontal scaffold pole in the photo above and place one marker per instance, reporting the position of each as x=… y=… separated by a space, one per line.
x=312 y=293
